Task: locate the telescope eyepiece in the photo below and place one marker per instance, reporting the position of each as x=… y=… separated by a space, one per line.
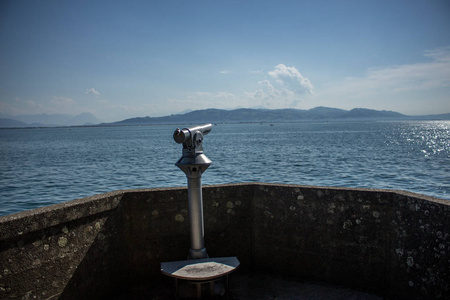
x=179 y=136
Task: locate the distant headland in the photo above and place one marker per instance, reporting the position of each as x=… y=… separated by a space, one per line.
x=247 y=115
x=241 y=115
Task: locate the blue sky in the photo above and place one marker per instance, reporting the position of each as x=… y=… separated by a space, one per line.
x=150 y=58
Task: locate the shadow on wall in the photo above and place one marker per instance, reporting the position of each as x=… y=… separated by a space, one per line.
x=99 y=272
x=132 y=241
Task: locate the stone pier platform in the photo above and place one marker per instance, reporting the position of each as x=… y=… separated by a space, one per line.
x=292 y=241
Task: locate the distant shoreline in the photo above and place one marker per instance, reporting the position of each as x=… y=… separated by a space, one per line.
x=247 y=115
x=225 y=123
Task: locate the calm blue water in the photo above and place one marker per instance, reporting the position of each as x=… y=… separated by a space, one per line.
x=45 y=166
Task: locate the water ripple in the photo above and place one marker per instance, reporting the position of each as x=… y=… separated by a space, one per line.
x=49 y=165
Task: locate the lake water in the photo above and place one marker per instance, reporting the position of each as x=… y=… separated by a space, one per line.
x=45 y=166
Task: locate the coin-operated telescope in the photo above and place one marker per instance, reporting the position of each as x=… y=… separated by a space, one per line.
x=193 y=163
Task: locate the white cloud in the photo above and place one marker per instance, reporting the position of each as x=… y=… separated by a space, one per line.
x=395 y=87
x=204 y=100
x=439 y=54
x=273 y=97
x=92 y=91
x=284 y=87
x=401 y=78
x=215 y=95
x=110 y=112
x=415 y=88
x=288 y=88
x=33 y=104
x=292 y=78
x=225 y=72
x=224 y=95
x=7 y=108
x=62 y=101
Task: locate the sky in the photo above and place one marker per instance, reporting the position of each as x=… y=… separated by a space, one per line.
x=124 y=59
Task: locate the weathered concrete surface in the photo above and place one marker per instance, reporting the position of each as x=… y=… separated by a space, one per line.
x=394 y=244
x=264 y=286
x=391 y=243
x=43 y=252
x=250 y=285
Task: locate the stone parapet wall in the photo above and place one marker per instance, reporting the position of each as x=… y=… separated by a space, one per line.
x=42 y=250
x=392 y=243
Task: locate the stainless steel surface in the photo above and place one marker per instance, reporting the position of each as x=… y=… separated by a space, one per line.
x=196 y=218
x=193 y=163
x=186 y=134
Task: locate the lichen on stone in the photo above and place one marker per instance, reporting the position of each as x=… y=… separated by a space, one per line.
x=62 y=241
x=179 y=218
x=347 y=224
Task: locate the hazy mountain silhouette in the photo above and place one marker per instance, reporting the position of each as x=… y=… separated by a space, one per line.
x=243 y=115
x=48 y=120
x=240 y=115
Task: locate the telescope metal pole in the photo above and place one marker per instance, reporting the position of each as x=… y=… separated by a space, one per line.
x=195 y=199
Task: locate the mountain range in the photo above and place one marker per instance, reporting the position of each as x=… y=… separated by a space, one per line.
x=47 y=120
x=241 y=115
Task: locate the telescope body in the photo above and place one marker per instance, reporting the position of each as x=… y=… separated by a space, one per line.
x=186 y=134
x=193 y=163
